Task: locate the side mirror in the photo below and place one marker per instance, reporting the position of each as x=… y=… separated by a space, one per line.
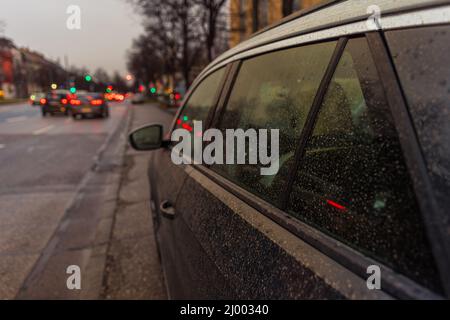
x=147 y=138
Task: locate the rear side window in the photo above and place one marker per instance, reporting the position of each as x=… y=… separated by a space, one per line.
x=422 y=60
x=201 y=101
x=353 y=183
x=273 y=91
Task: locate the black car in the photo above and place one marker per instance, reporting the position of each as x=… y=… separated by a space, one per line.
x=363 y=186
x=55 y=102
x=88 y=105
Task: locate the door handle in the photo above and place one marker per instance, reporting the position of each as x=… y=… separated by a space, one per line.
x=167 y=209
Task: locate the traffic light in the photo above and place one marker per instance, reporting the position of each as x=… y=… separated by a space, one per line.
x=73 y=90
x=109 y=89
x=153 y=90
x=88 y=78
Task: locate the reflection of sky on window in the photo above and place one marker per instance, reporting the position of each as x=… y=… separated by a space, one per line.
x=107 y=30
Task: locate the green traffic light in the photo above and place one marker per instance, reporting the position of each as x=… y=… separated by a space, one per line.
x=88 y=78
x=73 y=90
x=153 y=90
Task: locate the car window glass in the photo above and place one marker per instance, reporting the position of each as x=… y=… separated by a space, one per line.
x=353 y=183
x=422 y=60
x=274 y=91
x=201 y=101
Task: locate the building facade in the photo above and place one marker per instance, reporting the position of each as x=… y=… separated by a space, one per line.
x=7 y=54
x=249 y=16
x=23 y=71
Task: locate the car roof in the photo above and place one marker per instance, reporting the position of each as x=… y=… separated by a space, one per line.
x=324 y=17
x=60 y=91
x=87 y=93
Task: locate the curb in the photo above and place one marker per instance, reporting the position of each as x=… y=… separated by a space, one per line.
x=94 y=251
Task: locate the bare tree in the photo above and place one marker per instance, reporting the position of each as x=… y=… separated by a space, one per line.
x=181 y=30
x=174 y=27
x=146 y=62
x=211 y=10
x=2 y=27
x=101 y=76
x=118 y=82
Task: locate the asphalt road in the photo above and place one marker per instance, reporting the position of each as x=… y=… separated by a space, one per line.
x=42 y=161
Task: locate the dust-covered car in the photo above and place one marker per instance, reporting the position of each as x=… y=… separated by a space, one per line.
x=359 y=206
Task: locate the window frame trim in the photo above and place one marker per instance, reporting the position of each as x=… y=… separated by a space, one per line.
x=413 y=155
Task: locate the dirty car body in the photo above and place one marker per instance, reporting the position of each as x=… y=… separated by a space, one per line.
x=364 y=172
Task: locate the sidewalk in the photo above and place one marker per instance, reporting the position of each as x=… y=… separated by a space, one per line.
x=133 y=269
x=82 y=235
x=5 y=102
x=106 y=230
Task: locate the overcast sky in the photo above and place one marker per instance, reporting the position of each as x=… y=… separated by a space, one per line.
x=107 y=30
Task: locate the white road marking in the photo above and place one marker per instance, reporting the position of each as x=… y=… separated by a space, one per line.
x=43 y=130
x=16 y=119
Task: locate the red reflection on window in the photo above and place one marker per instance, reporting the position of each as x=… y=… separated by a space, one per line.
x=187 y=127
x=336 y=205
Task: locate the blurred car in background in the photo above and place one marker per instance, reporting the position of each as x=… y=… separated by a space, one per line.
x=114 y=96
x=170 y=100
x=55 y=102
x=89 y=104
x=109 y=96
x=138 y=98
x=119 y=97
x=35 y=98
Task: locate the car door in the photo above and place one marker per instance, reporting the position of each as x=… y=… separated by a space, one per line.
x=341 y=203
x=167 y=178
x=241 y=256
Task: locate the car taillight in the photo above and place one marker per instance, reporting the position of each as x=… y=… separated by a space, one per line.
x=97 y=102
x=43 y=101
x=75 y=102
x=64 y=101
